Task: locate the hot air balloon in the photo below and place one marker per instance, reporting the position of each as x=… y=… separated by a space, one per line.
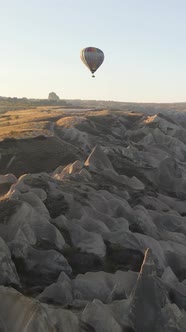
x=92 y=57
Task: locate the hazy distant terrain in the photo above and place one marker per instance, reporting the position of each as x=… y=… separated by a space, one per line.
x=7 y=103
x=92 y=217
x=129 y=106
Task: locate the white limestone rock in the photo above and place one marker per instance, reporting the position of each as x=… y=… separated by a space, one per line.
x=35 y=226
x=175 y=254
x=99 y=317
x=125 y=238
x=168 y=276
x=174 y=237
x=8 y=275
x=62 y=320
x=126 y=280
x=87 y=241
x=40 y=266
x=111 y=205
x=180 y=188
x=170 y=221
x=61 y=222
x=120 y=311
x=112 y=223
x=106 y=287
x=18 y=187
x=71 y=169
x=174 y=317
x=139 y=242
x=173 y=203
x=144 y=221
x=59 y=292
x=166 y=125
x=148 y=296
x=19 y=313
x=40 y=193
x=173 y=144
x=8 y=178
x=131 y=183
x=85 y=174
x=92 y=286
x=92 y=224
x=154 y=203
x=158 y=254
x=34 y=201
x=98 y=161
x=73 y=134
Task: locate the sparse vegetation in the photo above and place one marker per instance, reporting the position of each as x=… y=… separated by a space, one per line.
x=7 y=104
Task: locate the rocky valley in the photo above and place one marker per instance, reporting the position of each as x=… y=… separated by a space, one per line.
x=93 y=219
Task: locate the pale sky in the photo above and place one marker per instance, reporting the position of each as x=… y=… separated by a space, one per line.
x=144 y=42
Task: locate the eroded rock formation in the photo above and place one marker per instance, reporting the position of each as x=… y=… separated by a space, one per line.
x=99 y=242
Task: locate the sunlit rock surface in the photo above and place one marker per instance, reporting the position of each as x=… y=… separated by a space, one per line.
x=93 y=229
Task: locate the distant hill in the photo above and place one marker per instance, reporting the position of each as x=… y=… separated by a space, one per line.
x=8 y=103
x=109 y=104
x=129 y=106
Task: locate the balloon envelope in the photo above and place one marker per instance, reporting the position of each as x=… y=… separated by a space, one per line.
x=92 y=57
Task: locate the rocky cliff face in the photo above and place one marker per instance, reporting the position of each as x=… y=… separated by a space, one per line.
x=96 y=239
